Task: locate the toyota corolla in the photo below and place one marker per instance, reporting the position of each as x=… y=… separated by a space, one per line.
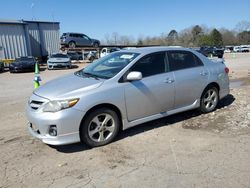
x=124 y=89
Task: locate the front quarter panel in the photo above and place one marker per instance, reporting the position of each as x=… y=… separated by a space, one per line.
x=106 y=94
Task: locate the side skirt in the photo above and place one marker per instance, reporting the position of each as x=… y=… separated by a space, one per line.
x=127 y=124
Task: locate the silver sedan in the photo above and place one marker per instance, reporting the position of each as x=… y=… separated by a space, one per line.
x=124 y=89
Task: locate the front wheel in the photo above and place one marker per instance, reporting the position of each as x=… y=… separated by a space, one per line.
x=100 y=127
x=209 y=99
x=95 y=45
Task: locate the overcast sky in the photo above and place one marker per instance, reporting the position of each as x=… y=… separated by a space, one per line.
x=129 y=17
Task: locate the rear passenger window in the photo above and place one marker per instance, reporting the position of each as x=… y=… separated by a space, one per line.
x=151 y=64
x=182 y=60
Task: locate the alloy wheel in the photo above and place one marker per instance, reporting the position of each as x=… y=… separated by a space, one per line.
x=210 y=99
x=101 y=127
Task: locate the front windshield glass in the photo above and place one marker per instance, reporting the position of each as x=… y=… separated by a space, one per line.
x=59 y=56
x=25 y=59
x=108 y=66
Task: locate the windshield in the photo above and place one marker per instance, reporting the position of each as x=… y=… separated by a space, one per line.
x=108 y=66
x=59 y=56
x=25 y=59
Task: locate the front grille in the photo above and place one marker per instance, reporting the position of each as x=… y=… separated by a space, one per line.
x=35 y=104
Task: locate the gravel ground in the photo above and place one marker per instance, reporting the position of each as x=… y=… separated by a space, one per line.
x=184 y=150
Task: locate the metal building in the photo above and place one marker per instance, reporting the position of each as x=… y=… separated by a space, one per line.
x=28 y=38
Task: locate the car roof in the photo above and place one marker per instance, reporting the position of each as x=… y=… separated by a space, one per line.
x=74 y=33
x=147 y=50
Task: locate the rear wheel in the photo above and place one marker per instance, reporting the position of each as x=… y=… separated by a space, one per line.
x=72 y=44
x=209 y=99
x=100 y=127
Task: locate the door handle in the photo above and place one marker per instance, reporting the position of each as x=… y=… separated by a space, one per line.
x=203 y=73
x=169 y=80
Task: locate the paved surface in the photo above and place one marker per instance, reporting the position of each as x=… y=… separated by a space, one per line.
x=185 y=150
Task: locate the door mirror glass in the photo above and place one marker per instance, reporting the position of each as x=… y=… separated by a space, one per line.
x=134 y=76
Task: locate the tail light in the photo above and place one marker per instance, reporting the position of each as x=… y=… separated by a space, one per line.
x=226 y=70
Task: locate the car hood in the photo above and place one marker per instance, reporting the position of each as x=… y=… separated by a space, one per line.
x=69 y=86
x=58 y=60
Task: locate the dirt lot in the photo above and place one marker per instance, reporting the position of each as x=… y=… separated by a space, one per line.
x=185 y=150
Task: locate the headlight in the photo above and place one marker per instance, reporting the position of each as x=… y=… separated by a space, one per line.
x=55 y=106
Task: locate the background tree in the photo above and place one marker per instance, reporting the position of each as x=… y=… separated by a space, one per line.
x=196 y=33
x=172 y=37
x=228 y=37
x=216 y=38
x=242 y=26
x=244 y=37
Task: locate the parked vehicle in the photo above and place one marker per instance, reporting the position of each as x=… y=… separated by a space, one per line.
x=58 y=60
x=228 y=49
x=241 y=49
x=78 y=39
x=23 y=64
x=1 y=66
x=124 y=89
x=91 y=56
x=207 y=51
x=106 y=51
x=75 y=55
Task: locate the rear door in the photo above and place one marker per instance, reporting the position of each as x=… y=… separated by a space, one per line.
x=154 y=93
x=190 y=76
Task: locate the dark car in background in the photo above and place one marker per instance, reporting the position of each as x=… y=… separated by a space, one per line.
x=1 y=66
x=212 y=51
x=23 y=64
x=75 y=55
x=73 y=40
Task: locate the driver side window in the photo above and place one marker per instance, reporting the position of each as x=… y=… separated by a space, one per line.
x=151 y=64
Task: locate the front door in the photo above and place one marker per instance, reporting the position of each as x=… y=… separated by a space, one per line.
x=154 y=93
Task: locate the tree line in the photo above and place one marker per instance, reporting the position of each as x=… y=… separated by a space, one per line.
x=194 y=36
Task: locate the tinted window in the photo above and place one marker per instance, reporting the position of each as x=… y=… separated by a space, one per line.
x=151 y=64
x=59 y=56
x=182 y=60
x=73 y=35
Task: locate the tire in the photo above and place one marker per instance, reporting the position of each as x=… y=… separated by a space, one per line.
x=100 y=127
x=91 y=59
x=95 y=45
x=209 y=99
x=72 y=44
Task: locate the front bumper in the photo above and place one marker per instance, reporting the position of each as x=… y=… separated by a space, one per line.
x=52 y=65
x=67 y=122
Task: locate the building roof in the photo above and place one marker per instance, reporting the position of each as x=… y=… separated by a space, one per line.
x=5 y=21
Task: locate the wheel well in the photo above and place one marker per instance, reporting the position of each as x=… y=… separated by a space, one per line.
x=212 y=84
x=104 y=105
x=71 y=41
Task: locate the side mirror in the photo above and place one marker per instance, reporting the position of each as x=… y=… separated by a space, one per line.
x=134 y=76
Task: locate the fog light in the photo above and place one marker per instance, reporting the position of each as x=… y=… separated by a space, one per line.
x=52 y=130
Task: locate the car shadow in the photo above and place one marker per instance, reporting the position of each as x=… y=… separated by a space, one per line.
x=74 y=66
x=166 y=121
